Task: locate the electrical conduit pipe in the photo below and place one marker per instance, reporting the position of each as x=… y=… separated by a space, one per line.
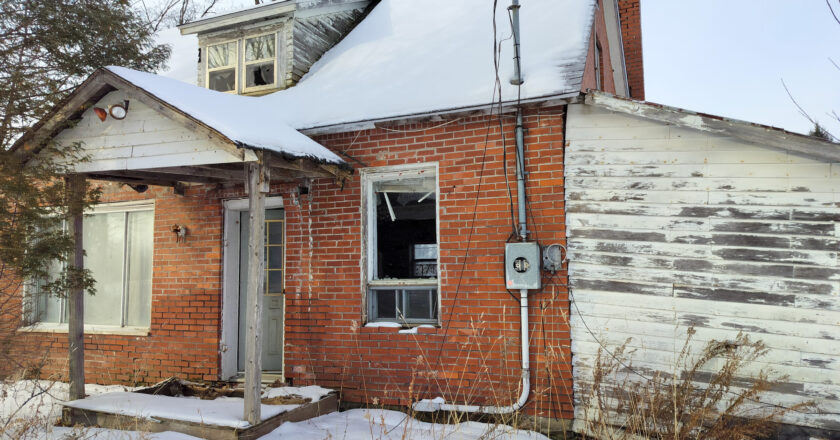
x=438 y=404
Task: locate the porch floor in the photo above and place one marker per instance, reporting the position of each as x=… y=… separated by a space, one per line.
x=220 y=418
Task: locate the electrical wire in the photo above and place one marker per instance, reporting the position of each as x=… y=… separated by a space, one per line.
x=420 y=129
x=496 y=88
x=497 y=53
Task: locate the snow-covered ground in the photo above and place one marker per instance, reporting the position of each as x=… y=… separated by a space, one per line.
x=392 y=425
x=37 y=404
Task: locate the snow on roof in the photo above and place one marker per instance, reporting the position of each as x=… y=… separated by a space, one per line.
x=409 y=57
x=406 y=57
x=240 y=118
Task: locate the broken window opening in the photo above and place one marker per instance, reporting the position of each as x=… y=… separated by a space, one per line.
x=259 y=61
x=403 y=246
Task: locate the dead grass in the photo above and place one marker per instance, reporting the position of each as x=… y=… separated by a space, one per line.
x=695 y=401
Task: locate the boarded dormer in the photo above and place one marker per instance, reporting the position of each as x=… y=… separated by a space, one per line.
x=269 y=47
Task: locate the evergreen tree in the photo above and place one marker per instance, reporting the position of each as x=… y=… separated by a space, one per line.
x=47 y=47
x=35 y=208
x=820 y=132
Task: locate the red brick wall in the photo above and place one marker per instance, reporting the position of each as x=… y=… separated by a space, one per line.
x=473 y=358
x=599 y=31
x=184 y=334
x=476 y=351
x=631 y=34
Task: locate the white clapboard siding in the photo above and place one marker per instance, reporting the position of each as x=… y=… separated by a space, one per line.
x=144 y=139
x=670 y=228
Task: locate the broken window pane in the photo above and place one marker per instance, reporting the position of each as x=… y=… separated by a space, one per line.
x=259 y=74
x=406 y=214
x=259 y=48
x=222 y=80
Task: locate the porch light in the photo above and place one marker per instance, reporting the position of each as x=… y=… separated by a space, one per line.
x=101 y=113
x=118 y=111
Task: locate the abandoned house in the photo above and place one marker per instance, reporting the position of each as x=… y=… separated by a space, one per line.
x=409 y=174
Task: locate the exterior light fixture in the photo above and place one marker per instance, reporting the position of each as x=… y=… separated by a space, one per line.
x=118 y=111
x=101 y=113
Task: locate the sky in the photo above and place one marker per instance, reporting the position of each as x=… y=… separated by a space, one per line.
x=729 y=57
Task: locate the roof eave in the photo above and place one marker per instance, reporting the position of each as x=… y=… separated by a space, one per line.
x=366 y=124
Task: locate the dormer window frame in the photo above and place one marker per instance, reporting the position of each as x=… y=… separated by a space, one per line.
x=235 y=66
x=245 y=63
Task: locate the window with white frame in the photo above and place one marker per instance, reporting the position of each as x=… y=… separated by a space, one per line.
x=260 y=59
x=118 y=241
x=401 y=222
x=221 y=67
x=247 y=64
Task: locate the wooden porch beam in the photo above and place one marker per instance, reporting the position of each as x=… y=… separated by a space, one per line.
x=257 y=185
x=77 y=187
x=308 y=167
x=178 y=187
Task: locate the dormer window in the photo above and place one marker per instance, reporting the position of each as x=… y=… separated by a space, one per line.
x=269 y=47
x=221 y=67
x=260 y=61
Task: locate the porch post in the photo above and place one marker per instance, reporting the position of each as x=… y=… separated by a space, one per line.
x=75 y=297
x=257 y=186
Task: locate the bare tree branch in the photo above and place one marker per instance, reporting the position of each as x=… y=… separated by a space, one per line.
x=209 y=7
x=827 y=2
x=804 y=113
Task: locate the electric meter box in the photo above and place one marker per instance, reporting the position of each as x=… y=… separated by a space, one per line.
x=522 y=266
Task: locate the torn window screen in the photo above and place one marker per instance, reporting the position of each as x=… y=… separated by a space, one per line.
x=406 y=228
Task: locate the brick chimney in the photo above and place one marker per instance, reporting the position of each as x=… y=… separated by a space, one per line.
x=631 y=34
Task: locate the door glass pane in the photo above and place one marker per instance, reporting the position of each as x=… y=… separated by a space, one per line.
x=275 y=257
x=275 y=232
x=259 y=48
x=140 y=249
x=104 y=242
x=275 y=282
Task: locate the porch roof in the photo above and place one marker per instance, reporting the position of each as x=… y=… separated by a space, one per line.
x=222 y=127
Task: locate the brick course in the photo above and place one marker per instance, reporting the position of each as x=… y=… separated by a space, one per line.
x=631 y=34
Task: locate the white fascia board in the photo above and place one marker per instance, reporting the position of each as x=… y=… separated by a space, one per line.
x=235 y=18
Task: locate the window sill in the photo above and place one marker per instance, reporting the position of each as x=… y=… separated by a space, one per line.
x=395 y=327
x=89 y=329
x=415 y=282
